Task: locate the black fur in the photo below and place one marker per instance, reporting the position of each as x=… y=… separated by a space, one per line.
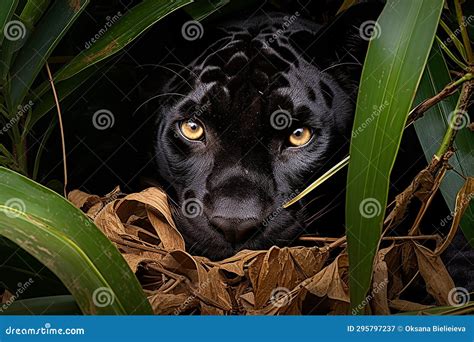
x=244 y=170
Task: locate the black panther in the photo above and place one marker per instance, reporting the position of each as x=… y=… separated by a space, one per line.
x=266 y=108
x=246 y=117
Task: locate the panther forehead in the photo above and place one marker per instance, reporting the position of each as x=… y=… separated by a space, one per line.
x=258 y=50
x=263 y=56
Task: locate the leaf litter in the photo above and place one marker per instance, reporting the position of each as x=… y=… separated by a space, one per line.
x=278 y=281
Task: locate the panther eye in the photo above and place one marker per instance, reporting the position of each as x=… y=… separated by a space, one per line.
x=300 y=136
x=191 y=130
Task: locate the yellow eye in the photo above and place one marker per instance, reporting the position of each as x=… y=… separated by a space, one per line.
x=191 y=130
x=300 y=136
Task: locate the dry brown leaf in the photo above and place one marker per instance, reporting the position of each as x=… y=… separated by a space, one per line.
x=437 y=279
x=172 y=304
x=269 y=276
x=169 y=236
x=109 y=222
x=134 y=260
x=142 y=227
x=393 y=261
x=379 y=293
x=408 y=260
x=463 y=198
x=328 y=282
x=419 y=188
x=90 y=204
x=155 y=198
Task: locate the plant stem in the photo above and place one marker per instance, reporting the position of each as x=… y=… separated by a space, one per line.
x=454 y=39
x=464 y=35
x=450 y=89
x=458 y=113
x=63 y=143
x=451 y=55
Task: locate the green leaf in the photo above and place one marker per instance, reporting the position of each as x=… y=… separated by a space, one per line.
x=431 y=129
x=454 y=39
x=34 y=54
x=7 y=8
x=67 y=242
x=18 y=267
x=123 y=32
x=51 y=305
x=200 y=10
x=391 y=73
x=30 y=14
x=33 y=11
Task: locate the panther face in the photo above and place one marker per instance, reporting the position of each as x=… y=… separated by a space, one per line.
x=259 y=115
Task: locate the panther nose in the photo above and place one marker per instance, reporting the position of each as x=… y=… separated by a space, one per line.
x=235 y=229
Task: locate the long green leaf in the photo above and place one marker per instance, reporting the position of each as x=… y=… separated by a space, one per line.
x=60 y=236
x=7 y=8
x=123 y=32
x=18 y=267
x=70 y=79
x=32 y=57
x=29 y=16
x=202 y=9
x=391 y=73
x=51 y=305
x=431 y=129
x=33 y=10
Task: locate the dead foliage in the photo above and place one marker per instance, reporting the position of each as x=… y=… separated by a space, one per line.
x=290 y=280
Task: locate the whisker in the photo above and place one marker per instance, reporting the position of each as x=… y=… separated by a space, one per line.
x=339 y=64
x=314 y=199
x=320 y=213
x=155 y=97
x=191 y=72
x=175 y=73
